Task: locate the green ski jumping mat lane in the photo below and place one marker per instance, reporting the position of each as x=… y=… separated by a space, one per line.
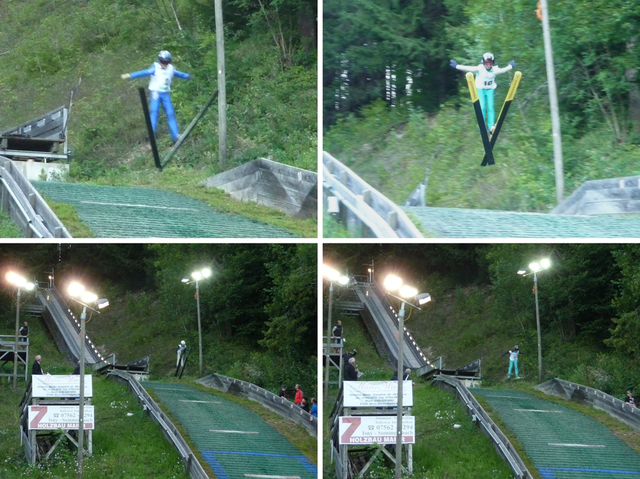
x=561 y=442
x=124 y=212
x=235 y=442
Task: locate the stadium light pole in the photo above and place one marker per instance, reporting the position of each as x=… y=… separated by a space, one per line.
x=333 y=276
x=197 y=277
x=405 y=293
x=20 y=283
x=84 y=298
x=534 y=268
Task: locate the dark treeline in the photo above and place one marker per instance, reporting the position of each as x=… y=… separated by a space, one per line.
x=590 y=294
x=261 y=297
x=374 y=50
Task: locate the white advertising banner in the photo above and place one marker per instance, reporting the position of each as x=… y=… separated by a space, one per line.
x=376 y=429
x=59 y=417
x=58 y=386
x=376 y=393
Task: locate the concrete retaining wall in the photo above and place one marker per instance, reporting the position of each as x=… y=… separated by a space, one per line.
x=603 y=197
x=275 y=403
x=593 y=397
x=291 y=190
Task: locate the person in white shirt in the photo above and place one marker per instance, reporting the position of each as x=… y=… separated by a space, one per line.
x=180 y=352
x=513 y=360
x=486 y=83
x=161 y=73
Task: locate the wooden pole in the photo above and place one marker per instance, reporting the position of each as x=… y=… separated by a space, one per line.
x=222 y=96
x=553 y=102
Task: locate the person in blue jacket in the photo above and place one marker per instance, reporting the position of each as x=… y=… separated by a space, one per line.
x=486 y=83
x=161 y=73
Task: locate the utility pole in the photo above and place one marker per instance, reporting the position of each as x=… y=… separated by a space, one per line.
x=553 y=102
x=222 y=89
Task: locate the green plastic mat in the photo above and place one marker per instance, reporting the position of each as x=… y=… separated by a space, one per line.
x=471 y=223
x=236 y=442
x=122 y=212
x=561 y=442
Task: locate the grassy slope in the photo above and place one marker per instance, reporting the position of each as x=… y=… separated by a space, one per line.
x=393 y=150
x=271 y=112
x=461 y=329
x=441 y=451
x=121 y=438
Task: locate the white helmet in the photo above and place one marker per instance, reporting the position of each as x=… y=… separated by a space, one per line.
x=164 y=56
x=488 y=57
x=182 y=342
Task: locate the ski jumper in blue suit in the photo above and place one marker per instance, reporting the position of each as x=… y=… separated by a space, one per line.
x=486 y=84
x=160 y=88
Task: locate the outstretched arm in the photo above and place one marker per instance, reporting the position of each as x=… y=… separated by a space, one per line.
x=463 y=68
x=181 y=75
x=510 y=66
x=142 y=73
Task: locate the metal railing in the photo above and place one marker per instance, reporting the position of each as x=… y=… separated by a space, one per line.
x=502 y=445
x=191 y=464
x=275 y=403
x=363 y=209
x=20 y=200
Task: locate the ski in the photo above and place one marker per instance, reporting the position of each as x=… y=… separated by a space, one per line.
x=503 y=113
x=152 y=136
x=480 y=117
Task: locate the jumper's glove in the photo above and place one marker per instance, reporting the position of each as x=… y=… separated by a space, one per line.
x=453 y=63
x=125 y=76
x=512 y=63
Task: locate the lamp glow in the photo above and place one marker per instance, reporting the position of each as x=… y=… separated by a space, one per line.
x=407 y=291
x=392 y=282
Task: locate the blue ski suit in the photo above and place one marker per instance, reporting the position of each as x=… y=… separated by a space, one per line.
x=160 y=88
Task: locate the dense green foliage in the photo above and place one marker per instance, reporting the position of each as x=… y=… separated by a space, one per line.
x=270 y=71
x=258 y=310
x=393 y=108
x=588 y=303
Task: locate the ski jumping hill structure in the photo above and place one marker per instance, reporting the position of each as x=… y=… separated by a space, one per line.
x=588 y=213
x=560 y=442
x=235 y=442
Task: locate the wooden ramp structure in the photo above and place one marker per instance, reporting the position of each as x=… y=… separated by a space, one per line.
x=41 y=139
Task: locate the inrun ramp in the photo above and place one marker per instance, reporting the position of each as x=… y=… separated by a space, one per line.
x=561 y=442
x=123 y=212
x=387 y=324
x=235 y=442
x=64 y=322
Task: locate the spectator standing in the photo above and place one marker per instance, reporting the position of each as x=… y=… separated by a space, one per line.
x=36 y=368
x=630 y=399
x=298 y=399
x=314 y=407
x=336 y=334
x=304 y=405
x=283 y=392
x=350 y=370
x=24 y=332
